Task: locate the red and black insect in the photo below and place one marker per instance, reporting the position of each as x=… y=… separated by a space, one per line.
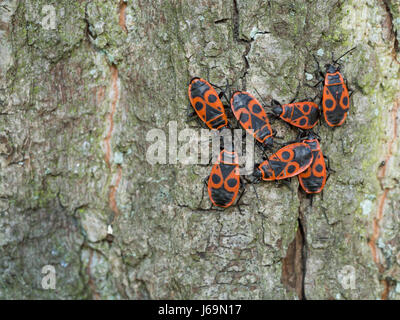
x=251 y=116
x=287 y=162
x=313 y=179
x=207 y=104
x=335 y=98
x=335 y=95
x=303 y=115
x=224 y=181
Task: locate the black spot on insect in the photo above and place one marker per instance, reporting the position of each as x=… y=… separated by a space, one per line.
x=306 y=107
x=216 y=179
x=286 y=155
x=256 y=108
x=244 y=117
x=345 y=101
x=291 y=169
x=303 y=122
x=232 y=183
x=318 y=168
x=212 y=98
x=329 y=103
x=199 y=106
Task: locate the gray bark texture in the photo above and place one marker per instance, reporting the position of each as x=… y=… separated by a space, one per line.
x=78 y=97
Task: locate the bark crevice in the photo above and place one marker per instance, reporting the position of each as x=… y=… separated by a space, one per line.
x=392 y=30
x=376 y=227
x=238 y=39
x=294 y=264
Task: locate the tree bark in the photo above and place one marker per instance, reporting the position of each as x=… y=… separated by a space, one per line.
x=78 y=95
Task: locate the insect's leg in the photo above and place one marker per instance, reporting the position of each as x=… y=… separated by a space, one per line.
x=205 y=165
x=222 y=94
x=229 y=125
x=272 y=117
x=190 y=119
x=296 y=95
x=313 y=86
x=262 y=149
x=260 y=146
x=192 y=115
x=262 y=100
x=300 y=133
x=198 y=119
x=264 y=157
x=274 y=134
x=318 y=73
x=253 y=179
x=228 y=111
x=315 y=98
x=329 y=169
x=243 y=183
x=351 y=91
x=327 y=176
x=190 y=112
x=319 y=70
x=201 y=123
x=319 y=82
x=238 y=201
x=328 y=164
x=317 y=62
x=286 y=183
x=208 y=74
x=222 y=91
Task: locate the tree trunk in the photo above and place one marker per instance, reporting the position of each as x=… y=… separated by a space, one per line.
x=83 y=82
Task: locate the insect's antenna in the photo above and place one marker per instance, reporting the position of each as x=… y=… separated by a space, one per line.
x=262 y=100
x=347 y=52
x=316 y=134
